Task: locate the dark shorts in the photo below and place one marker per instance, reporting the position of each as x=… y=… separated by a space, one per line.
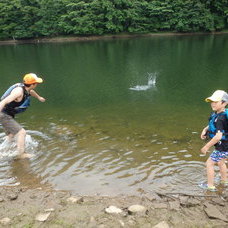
x=9 y=124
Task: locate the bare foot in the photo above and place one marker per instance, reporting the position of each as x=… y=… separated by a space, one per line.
x=25 y=155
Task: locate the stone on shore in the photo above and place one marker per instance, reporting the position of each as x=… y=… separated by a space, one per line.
x=162 y=224
x=174 y=205
x=12 y=196
x=75 y=199
x=5 y=221
x=113 y=210
x=213 y=212
x=133 y=209
x=42 y=217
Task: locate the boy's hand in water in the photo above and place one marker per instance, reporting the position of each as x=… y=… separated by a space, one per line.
x=204 y=149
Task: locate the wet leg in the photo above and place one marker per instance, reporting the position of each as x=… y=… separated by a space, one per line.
x=210 y=172
x=223 y=169
x=21 y=144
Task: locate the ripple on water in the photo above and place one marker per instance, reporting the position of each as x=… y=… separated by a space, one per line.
x=178 y=176
x=75 y=160
x=8 y=152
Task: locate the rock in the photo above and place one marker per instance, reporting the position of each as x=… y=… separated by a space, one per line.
x=121 y=223
x=160 y=205
x=218 y=201
x=162 y=224
x=33 y=197
x=213 y=212
x=136 y=209
x=101 y=226
x=12 y=196
x=39 y=188
x=192 y=202
x=5 y=221
x=183 y=200
x=174 y=205
x=75 y=199
x=1 y=200
x=92 y=222
x=153 y=196
x=42 y=217
x=113 y=210
x=49 y=210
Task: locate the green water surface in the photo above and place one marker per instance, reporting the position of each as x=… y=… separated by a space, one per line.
x=94 y=129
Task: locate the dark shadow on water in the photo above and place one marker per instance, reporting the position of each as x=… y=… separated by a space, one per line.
x=24 y=175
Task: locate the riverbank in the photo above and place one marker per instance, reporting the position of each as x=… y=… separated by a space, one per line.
x=40 y=207
x=105 y=37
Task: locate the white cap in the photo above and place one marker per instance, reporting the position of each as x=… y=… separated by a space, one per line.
x=218 y=95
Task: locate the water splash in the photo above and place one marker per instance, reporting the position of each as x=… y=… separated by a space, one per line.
x=8 y=148
x=150 y=84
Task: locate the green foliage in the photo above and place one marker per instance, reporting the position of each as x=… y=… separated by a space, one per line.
x=21 y=19
x=48 y=23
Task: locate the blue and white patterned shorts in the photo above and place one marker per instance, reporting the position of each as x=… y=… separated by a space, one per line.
x=217 y=156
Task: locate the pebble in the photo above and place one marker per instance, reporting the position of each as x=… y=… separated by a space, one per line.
x=121 y=223
x=12 y=197
x=49 y=210
x=160 y=205
x=174 y=205
x=5 y=221
x=42 y=217
x=75 y=199
x=136 y=209
x=113 y=210
x=162 y=224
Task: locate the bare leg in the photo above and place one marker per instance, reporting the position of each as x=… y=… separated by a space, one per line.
x=21 y=144
x=210 y=172
x=9 y=137
x=223 y=169
x=21 y=141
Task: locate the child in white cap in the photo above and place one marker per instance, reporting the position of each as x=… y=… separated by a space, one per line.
x=217 y=130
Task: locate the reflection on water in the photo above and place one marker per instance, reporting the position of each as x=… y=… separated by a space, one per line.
x=109 y=126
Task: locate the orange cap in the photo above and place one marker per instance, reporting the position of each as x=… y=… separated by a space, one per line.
x=31 y=79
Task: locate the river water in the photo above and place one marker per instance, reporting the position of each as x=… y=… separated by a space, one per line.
x=122 y=116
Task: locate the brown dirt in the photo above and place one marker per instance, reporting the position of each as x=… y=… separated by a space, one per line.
x=22 y=205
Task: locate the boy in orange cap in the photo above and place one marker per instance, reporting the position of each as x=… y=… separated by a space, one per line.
x=16 y=100
x=217 y=130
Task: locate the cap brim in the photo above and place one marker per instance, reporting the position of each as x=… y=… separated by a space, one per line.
x=39 y=80
x=211 y=99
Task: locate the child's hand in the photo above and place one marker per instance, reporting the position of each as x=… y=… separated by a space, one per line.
x=41 y=99
x=204 y=149
x=204 y=134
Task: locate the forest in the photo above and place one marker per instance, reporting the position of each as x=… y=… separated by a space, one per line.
x=24 y=19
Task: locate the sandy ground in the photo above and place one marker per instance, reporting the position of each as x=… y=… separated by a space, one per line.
x=40 y=207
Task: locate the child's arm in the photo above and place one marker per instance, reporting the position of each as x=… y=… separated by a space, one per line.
x=212 y=142
x=16 y=93
x=36 y=95
x=204 y=133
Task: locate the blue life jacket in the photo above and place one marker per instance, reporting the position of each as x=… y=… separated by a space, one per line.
x=212 y=129
x=16 y=107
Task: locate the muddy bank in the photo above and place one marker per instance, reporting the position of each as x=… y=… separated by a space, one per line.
x=23 y=207
x=92 y=38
